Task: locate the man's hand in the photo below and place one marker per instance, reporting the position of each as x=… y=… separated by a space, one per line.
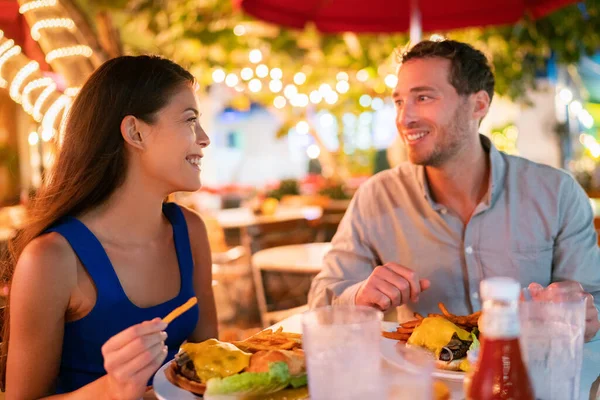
x=391 y=285
x=557 y=289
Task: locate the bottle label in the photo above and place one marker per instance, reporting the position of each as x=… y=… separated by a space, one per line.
x=500 y=323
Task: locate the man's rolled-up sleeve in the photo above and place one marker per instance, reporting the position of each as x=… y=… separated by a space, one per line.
x=348 y=264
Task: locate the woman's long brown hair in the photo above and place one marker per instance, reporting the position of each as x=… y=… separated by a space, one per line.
x=91 y=163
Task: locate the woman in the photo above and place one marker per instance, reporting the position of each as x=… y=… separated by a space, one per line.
x=102 y=258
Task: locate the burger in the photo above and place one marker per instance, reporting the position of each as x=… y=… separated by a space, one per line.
x=219 y=368
x=447 y=341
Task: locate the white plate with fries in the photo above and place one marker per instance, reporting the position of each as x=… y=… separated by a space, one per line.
x=390 y=353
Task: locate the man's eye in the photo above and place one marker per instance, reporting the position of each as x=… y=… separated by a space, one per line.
x=423 y=98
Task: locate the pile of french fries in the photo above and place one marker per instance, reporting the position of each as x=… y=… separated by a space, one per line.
x=271 y=340
x=403 y=332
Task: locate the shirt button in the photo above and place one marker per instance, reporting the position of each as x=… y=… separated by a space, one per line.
x=469 y=250
x=443 y=211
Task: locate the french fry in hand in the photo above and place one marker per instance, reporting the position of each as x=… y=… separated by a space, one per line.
x=180 y=310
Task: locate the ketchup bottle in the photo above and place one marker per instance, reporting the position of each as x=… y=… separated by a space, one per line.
x=500 y=373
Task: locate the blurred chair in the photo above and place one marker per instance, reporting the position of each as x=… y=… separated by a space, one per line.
x=597 y=227
x=233 y=285
x=327 y=225
x=279 y=293
x=280 y=233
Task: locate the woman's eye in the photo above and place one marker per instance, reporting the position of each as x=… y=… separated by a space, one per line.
x=192 y=120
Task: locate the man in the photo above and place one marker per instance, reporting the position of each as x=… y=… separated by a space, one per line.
x=431 y=229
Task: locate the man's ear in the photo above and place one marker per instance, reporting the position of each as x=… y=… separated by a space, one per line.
x=482 y=104
x=131 y=131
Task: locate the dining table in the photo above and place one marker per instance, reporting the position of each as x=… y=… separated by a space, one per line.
x=589 y=380
x=243 y=217
x=296 y=258
x=590 y=371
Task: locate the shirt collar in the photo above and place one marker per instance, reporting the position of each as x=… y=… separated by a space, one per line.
x=498 y=171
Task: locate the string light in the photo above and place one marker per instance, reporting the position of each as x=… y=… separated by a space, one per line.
x=279 y=102
x=290 y=91
x=4 y=58
x=33 y=5
x=315 y=97
x=331 y=97
x=6 y=45
x=262 y=71
x=71 y=51
x=20 y=78
x=255 y=56
x=391 y=81
x=276 y=73
x=231 y=80
x=72 y=91
x=33 y=138
x=362 y=75
x=247 y=73
x=302 y=127
x=37 y=107
x=63 y=123
x=299 y=78
x=49 y=120
x=255 y=85
x=342 y=76
x=63 y=23
x=342 y=86
x=218 y=75
x=275 y=86
x=31 y=86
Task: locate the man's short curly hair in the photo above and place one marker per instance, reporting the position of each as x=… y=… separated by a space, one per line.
x=470 y=70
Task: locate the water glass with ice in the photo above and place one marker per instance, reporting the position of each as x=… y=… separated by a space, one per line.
x=552 y=331
x=343 y=359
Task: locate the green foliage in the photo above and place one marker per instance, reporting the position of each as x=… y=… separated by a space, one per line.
x=335 y=192
x=286 y=187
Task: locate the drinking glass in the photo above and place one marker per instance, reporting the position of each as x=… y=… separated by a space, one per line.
x=552 y=330
x=411 y=380
x=341 y=345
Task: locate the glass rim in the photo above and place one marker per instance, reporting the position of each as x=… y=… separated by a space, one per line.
x=570 y=298
x=378 y=315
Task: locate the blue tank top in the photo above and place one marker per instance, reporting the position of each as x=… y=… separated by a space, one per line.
x=82 y=360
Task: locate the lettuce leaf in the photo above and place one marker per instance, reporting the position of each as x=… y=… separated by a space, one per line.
x=252 y=383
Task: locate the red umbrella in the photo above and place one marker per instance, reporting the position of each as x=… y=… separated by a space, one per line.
x=385 y=16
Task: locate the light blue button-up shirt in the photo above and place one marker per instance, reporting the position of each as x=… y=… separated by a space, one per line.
x=535 y=224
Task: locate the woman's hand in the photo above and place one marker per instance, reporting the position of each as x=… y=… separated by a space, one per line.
x=132 y=356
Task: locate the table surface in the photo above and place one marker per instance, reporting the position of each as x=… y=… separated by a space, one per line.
x=243 y=217
x=590 y=371
x=307 y=258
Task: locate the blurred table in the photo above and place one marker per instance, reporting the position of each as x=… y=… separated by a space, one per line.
x=302 y=258
x=243 y=217
x=590 y=371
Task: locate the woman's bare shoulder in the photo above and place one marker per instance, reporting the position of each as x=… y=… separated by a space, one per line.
x=194 y=221
x=48 y=258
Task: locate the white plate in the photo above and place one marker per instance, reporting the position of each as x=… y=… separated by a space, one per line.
x=165 y=390
x=389 y=353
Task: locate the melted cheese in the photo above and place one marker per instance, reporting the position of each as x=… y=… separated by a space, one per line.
x=215 y=359
x=435 y=333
